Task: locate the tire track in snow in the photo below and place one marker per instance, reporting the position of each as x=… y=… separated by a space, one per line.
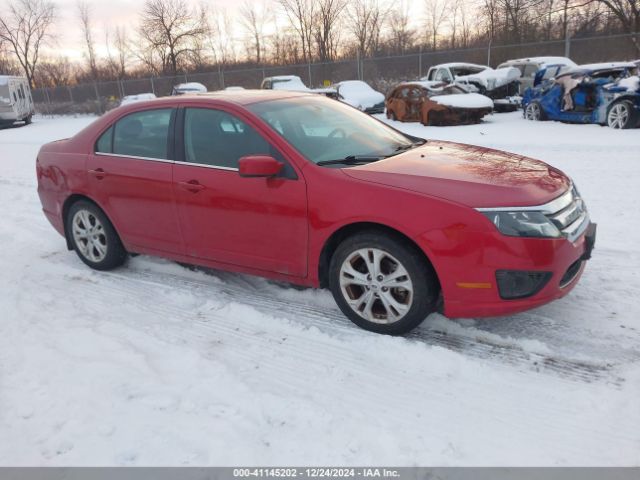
x=332 y=322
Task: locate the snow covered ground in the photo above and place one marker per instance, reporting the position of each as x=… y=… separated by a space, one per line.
x=154 y=364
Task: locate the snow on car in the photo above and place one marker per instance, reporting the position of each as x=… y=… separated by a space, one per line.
x=529 y=67
x=294 y=83
x=602 y=93
x=190 y=87
x=141 y=97
x=436 y=103
x=360 y=95
x=499 y=85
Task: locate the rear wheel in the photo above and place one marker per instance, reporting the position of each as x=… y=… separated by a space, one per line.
x=28 y=120
x=382 y=284
x=621 y=115
x=93 y=237
x=534 y=112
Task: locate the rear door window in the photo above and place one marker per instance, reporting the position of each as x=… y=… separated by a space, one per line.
x=143 y=134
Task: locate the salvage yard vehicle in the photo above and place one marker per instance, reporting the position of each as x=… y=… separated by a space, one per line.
x=16 y=103
x=436 y=103
x=186 y=88
x=529 y=67
x=300 y=188
x=293 y=83
x=500 y=85
x=140 y=97
x=360 y=95
x=605 y=94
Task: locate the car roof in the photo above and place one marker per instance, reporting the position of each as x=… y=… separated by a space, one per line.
x=283 y=77
x=599 y=67
x=541 y=61
x=459 y=64
x=238 y=97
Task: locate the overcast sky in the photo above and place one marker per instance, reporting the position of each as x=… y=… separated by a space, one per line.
x=114 y=13
x=106 y=14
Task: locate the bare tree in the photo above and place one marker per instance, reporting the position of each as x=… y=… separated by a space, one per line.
x=220 y=37
x=628 y=13
x=302 y=17
x=84 y=12
x=402 y=36
x=25 y=28
x=169 y=29
x=54 y=72
x=329 y=14
x=364 y=21
x=436 y=13
x=117 y=52
x=254 y=18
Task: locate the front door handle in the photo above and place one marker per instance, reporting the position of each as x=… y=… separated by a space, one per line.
x=192 y=186
x=99 y=173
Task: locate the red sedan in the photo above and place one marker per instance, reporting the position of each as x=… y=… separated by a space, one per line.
x=301 y=188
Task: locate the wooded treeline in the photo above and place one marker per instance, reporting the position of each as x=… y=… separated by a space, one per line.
x=174 y=36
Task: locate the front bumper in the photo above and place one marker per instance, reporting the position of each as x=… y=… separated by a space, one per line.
x=467 y=271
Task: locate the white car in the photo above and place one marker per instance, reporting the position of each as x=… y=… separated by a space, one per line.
x=360 y=95
x=499 y=85
x=294 y=83
x=191 y=87
x=140 y=97
x=529 y=67
x=16 y=103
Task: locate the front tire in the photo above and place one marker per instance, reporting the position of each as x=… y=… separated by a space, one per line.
x=621 y=115
x=93 y=237
x=382 y=283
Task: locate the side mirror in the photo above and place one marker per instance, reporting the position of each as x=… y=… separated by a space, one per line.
x=259 y=166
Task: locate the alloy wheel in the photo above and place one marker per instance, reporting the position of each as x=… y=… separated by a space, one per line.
x=376 y=285
x=532 y=112
x=618 y=115
x=89 y=235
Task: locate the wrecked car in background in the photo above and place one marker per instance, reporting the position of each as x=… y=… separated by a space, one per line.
x=436 y=103
x=186 y=88
x=499 y=85
x=294 y=83
x=606 y=94
x=360 y=95
x=529 y=68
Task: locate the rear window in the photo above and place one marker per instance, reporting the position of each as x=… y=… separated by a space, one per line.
x=141 y=134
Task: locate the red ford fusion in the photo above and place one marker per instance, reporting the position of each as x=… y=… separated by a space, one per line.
x=303 y=189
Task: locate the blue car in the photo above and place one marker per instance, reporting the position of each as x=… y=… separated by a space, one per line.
x=606 y=94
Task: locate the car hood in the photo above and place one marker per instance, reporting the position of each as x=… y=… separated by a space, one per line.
x=469 y=175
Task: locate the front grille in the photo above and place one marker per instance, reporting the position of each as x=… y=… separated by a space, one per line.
x=572 y=218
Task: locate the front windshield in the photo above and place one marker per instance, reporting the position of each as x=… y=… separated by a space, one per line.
x=322 y=129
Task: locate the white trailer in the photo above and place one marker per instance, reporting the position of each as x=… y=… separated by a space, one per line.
x=16 y=103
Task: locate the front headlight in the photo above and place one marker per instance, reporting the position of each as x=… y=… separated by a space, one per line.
x=523 y=224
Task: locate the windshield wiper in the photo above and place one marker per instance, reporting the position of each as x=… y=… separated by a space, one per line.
x=352 y=160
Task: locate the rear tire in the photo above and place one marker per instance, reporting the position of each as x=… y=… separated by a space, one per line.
x=28 y=120
x=93 y=237
x=382 y=284
x=622 y=115
x=533 y=111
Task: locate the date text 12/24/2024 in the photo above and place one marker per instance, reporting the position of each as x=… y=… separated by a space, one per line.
x=316 y=472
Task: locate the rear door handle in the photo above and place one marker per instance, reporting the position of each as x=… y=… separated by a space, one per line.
x=192 y=186
x=99 y=173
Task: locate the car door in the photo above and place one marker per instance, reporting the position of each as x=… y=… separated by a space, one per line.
x=130 y=176
x=256 y=223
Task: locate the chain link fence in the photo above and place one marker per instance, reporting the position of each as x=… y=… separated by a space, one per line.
x=380 y=72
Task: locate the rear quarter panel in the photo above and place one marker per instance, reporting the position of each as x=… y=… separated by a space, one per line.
x=60 y=171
